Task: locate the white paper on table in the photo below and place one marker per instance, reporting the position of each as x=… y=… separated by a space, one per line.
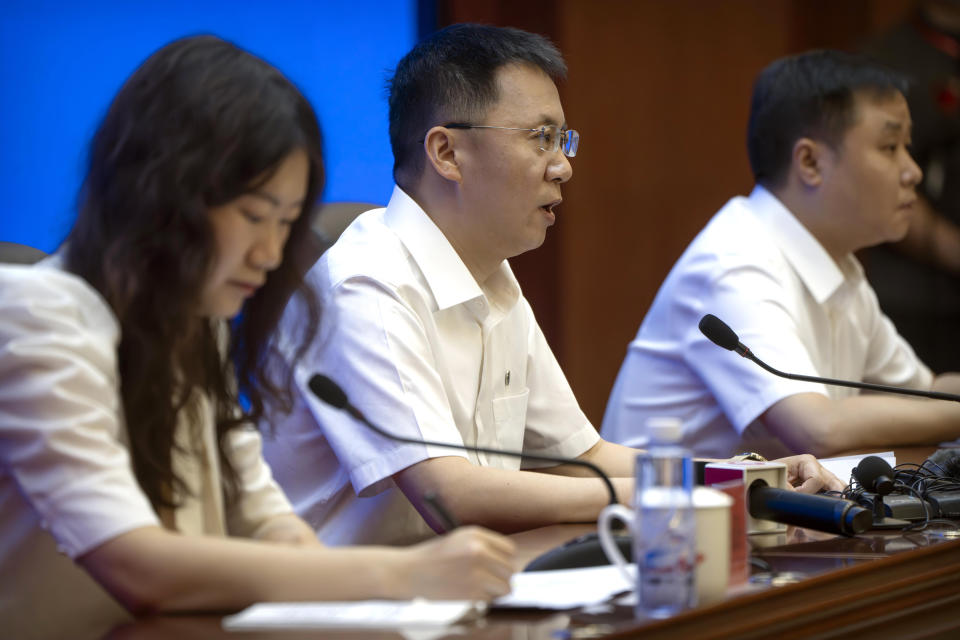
x=564 y=589
x=361 y=614
x=843 y=466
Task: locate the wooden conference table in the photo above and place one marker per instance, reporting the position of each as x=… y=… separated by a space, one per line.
x=877 y=584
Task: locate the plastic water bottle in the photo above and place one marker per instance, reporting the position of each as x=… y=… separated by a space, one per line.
x=666 y=535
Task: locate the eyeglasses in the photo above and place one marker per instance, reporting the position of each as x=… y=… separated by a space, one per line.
x=552 y=137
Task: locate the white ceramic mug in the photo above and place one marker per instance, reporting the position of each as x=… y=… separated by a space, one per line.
x=712 y=515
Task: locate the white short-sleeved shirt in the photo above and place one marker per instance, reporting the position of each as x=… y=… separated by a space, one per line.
x=66 y=482
x=757 y=268
x=424 y=352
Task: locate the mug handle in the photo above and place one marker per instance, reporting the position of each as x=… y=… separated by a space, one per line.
x=610 y=547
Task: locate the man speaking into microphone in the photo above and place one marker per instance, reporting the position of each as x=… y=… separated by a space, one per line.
x=426 y=330
x=828 y=141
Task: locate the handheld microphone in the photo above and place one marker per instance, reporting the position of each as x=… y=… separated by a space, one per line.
x=330 y=392
x=833 y=515
x=723 y=336
x=938 y=482
x=947 y=461
x=769 y=506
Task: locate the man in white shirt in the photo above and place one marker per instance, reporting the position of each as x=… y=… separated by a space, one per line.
x=828 y=142
x=424 y=324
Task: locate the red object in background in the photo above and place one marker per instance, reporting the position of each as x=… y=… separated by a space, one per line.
x=948 y=96
x=739 y=554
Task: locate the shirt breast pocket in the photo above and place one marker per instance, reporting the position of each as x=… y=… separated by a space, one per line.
x=510 y=417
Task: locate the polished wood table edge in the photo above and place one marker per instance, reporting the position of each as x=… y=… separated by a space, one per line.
x=856 y=597
x=914 y=593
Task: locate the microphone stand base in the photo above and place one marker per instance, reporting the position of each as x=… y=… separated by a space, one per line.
x=889 y=523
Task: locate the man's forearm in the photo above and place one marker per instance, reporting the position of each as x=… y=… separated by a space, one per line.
x=812 y=423
x=506 y=500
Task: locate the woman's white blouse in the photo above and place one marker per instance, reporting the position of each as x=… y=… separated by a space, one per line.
x=66 y=481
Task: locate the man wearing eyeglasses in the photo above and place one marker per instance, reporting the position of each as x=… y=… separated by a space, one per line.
x=424 y=324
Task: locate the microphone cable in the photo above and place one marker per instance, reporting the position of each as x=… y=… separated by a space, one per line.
x=921 y=480
x=329 y=392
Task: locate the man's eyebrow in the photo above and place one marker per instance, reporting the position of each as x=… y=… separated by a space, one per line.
x=893 y=125
x=548 y=120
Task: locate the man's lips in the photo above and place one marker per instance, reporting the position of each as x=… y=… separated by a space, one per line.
x=548 y=209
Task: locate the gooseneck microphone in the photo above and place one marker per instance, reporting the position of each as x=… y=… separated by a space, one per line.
x=720 y=334
x=723 y=336
x=330 y=392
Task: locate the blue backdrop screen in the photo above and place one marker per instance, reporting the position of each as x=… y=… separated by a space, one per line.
x=62 y=62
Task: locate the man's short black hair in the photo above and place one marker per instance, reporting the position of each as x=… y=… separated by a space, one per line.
x=809 y=95
x=450 y=76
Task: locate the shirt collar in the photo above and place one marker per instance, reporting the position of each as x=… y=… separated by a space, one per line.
x=450 y=282
x=818 y=271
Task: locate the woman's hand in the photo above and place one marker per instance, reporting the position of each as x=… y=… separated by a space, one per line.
x=470 y=563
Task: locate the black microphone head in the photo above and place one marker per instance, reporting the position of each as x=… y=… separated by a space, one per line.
x=947 y=461
x=875 y=475
x=328 y=391
x=718 y=332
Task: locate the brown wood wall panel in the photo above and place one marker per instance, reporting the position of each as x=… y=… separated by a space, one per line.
x=661 y=99
x=660 y=91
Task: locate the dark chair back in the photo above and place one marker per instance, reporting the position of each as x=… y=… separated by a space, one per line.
x=14 y=253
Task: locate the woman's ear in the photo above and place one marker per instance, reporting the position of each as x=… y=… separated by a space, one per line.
x=440 y=146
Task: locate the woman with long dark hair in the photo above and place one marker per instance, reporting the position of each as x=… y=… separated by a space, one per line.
x=129 y=465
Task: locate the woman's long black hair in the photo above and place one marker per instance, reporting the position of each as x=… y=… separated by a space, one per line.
x=198 y=124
